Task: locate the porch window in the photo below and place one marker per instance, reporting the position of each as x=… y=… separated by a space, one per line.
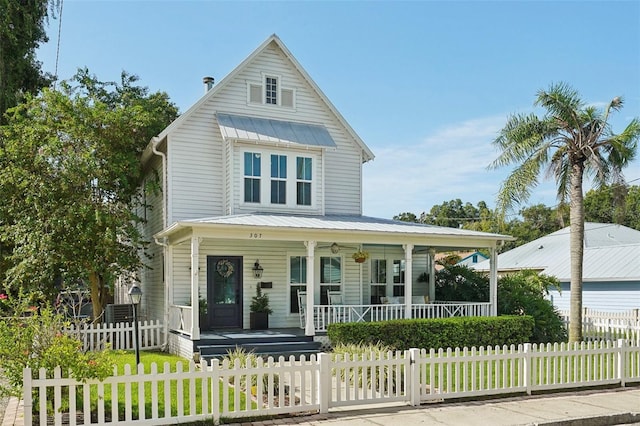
x=297 y=281
x=398 y=277
x=278 y=179
x=252 y=177
x=303 y=180
x=378 y=280
x=330 y=276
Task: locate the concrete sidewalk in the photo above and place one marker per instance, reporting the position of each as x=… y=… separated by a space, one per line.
x=585 y=408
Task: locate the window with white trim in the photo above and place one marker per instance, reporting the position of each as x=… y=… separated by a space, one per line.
x=330 y=276
x=297 y=281
x=270 y=92
x=398 y=277
x=304 y=176
x=252 y=173
x=378 y=280
x=278 y=179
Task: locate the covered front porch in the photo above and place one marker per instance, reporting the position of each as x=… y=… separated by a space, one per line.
x=308 y=271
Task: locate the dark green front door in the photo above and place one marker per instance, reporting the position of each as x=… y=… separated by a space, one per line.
x=224 y=291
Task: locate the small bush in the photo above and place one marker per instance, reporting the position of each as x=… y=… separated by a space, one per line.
x=37 y=341
x=435 y=333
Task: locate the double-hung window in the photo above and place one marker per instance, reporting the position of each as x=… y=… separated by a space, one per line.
x=330 y=276
x=398 y=277
x=378 y=280
x=304 y=176
x=278 y=179
x=297 y=280
x=252 y=177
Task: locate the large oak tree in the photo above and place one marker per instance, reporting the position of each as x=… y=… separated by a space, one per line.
x=71 y=176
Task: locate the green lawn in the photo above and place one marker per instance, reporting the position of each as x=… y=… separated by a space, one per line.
x=121 y=358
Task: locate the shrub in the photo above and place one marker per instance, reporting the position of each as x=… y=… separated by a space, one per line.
x=38 y=341
x=435 y=333
x=522 y=293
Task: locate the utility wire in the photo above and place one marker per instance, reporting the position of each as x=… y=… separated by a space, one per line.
x=55 y=81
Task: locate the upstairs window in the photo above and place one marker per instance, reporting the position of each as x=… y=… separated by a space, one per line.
x=303 y=180
x=278 y=179
x=271 y=90
x=252 y=177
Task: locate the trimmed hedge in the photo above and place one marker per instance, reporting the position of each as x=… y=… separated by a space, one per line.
x=435 y=333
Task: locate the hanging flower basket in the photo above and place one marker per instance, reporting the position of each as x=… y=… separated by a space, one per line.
x=360 y=256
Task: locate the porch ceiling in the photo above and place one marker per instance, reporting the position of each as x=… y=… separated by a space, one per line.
x=334 y=228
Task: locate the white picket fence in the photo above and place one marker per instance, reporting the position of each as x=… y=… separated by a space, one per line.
x=221 y=390
x=118 y=336
x=601 y=325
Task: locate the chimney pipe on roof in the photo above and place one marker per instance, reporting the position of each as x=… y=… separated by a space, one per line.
x=208 y=83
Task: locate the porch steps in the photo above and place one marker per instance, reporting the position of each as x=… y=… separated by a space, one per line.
x=274 y=346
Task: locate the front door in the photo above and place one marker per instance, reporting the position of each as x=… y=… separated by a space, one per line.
x=224 y=291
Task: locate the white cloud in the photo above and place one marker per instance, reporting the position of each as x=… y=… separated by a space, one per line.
x=448 y=164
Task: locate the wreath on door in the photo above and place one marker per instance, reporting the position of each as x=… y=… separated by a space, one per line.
x=224 y=268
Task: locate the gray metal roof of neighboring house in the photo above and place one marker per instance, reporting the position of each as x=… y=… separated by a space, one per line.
x=274 y=131
x=606 y=263
x=550 y=253
x=338 y=223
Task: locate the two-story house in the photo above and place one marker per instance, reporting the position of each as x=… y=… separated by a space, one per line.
x=262 y=185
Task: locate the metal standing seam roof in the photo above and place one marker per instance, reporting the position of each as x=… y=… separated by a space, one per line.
x=340 y=223
x=611 y=252
x=607 y=263
x=275 y=131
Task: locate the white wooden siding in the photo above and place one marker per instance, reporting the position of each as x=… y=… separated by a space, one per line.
x=196 y=162
x=196 y=148
x=611 y=297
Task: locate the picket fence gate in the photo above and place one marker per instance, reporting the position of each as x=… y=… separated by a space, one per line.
x=118 y=336
x=268 y=387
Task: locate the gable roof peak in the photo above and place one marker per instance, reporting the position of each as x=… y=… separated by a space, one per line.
x=367 y=154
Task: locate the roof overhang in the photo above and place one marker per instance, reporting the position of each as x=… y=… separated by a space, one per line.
x=340 y=229
x=254 y=129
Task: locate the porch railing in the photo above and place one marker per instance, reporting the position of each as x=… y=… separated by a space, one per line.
x=180 y=318
x=327 y=314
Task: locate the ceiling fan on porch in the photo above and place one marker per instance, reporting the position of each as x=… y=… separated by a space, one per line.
x=335 y=247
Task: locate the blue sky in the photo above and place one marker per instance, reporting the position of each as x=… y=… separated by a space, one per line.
x=427 y=85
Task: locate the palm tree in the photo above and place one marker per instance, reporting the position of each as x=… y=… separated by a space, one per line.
x=572 y=141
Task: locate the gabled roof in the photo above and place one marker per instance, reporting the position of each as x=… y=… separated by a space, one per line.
x=367 y=153
x=605 y=245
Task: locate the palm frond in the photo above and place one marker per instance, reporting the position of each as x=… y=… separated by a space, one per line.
x=562 y=102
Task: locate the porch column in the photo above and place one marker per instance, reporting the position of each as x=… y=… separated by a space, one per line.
x=310 y=329
x=432 y=274
x=195 y=265
x=493 y=281
x=408 y=279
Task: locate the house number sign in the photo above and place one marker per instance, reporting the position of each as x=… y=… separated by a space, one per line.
x=255 y=235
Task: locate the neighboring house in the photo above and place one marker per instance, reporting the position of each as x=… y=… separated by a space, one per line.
x=262 y=183
x=470 y=259
x=611 y=266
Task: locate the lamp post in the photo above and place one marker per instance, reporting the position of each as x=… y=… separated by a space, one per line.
x=135 y=293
